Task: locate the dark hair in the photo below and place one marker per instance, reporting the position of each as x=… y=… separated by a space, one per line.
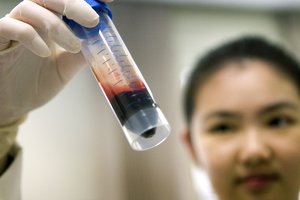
x=243 y=48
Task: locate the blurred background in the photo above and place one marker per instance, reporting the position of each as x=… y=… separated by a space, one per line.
x=74 y=147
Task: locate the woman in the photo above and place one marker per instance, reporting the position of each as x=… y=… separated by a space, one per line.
x=242 y=107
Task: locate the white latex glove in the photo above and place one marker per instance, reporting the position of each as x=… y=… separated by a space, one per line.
x=38 y=55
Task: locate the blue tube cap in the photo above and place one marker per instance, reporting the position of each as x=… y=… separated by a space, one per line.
x=84 y=32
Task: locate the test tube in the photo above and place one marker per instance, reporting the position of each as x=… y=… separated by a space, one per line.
x=121 y=81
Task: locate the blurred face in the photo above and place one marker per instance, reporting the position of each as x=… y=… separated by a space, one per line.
x=245 y=132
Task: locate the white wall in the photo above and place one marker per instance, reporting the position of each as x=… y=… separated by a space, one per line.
x=6 y=6
x=74 y=147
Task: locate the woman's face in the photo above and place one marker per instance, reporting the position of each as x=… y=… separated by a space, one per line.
x=245 y=132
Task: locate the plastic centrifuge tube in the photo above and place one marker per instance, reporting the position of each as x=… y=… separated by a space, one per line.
x=122 y=83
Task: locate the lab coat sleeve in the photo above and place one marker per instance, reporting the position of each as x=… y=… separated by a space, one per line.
x=10 y=181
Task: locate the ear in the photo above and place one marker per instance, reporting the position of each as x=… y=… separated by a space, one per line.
x=187 y=142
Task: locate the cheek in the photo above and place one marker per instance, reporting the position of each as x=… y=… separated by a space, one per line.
x=217 y=158
x=287 y=151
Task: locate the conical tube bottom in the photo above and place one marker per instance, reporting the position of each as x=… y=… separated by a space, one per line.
x=146 y=129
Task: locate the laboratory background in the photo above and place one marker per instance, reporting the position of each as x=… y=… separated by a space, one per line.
x=74 y=147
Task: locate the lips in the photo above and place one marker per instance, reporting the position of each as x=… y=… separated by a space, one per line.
x=258 y=181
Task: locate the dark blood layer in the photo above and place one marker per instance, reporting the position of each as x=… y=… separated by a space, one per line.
x=126 y=104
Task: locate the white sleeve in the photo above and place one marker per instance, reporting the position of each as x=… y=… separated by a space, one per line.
x=10 y=181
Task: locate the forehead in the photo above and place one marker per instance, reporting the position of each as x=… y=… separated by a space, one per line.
x=248 y=84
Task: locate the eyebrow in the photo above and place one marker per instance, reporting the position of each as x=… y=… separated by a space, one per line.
x=223 y=114
x=266 y=110
x=278 y=106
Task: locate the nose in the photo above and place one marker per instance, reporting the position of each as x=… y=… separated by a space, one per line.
x=254 y=149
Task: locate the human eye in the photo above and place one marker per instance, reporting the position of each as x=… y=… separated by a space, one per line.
x=222 y=128
x=280 y=121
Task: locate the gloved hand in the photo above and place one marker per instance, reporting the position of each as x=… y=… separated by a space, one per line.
x=38 y=56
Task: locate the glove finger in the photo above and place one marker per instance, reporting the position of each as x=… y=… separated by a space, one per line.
x=77 y=10
x=47 y=22
x=12 y=29
x=69 y=64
